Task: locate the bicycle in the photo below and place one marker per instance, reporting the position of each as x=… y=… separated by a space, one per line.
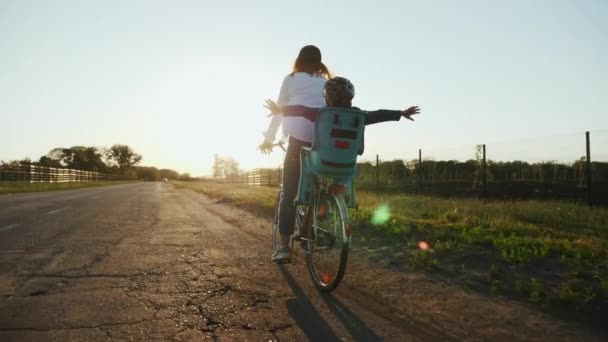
x=325 y=193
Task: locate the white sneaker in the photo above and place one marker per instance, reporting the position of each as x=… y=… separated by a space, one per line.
x=281 y=255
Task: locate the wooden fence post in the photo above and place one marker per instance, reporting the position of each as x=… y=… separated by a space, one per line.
x=419 y=170
x=377 y=175
x=588 y=171
x=483 y=173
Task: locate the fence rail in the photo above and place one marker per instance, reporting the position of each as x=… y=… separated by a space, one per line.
x=258 y=177
x=42 y=174
x=585 y=179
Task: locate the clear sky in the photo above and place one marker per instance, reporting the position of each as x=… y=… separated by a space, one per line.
x=181 y=80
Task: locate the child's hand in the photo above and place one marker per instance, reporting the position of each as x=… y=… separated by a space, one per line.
x=273 y=107
x=408 y=113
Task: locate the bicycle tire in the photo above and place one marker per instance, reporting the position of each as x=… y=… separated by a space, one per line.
x=327 y=280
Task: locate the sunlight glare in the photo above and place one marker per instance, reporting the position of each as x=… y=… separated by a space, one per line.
x=211 y=106
x=381 y=215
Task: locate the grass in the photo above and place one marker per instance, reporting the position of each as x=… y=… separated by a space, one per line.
x=549 y=253
x=19 y=187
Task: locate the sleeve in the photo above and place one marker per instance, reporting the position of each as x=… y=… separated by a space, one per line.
x=276 y=120
x=303 y=111
x=283 y=98
x=382 y=115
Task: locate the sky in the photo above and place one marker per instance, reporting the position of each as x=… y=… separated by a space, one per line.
x=180 y=81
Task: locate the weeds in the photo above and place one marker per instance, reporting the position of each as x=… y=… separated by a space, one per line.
x=548 y=253
x=537 y=292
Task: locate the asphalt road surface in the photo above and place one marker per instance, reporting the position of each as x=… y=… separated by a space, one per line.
x=148 y=262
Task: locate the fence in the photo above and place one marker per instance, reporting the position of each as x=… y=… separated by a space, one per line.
x=258 y=177
x=583 y=178
x=424 y=180
x=42 y=174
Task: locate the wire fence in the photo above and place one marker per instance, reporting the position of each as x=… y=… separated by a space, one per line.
x=568 y=166
x=42 y=174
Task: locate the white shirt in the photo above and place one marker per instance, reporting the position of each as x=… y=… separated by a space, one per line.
x=298 y=89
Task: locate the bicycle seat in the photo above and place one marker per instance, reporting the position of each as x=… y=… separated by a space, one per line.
x=337 y=141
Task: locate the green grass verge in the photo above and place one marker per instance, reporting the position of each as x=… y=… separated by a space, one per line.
x=550 y=253
x=18 y=187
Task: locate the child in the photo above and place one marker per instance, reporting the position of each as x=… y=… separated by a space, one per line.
x=338 y=92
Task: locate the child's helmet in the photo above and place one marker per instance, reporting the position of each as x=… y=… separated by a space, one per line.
x=339 y=88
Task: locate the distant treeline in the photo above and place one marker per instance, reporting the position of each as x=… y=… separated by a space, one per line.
x=117 y=160
x=452 y=170
x=516 y=179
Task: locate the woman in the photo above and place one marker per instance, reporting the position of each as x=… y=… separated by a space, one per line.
x=304 y=87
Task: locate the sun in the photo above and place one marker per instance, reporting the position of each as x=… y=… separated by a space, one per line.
x=214 y=106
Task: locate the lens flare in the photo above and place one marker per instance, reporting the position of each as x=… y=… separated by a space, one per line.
x=381 y=215
x=423 y=245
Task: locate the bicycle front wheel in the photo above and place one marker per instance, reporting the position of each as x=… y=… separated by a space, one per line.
x=328 y=241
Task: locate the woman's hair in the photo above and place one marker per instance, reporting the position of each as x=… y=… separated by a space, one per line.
x=309 y=61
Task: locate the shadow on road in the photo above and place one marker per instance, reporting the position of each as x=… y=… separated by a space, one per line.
x=312 y=324
x=305 y=313
x=355 y=326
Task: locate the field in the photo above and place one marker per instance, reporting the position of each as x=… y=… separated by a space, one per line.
x=549 y=253
x=18 y=187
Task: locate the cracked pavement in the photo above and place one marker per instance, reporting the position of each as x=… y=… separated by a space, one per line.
x=134 y=262
x=150 y=262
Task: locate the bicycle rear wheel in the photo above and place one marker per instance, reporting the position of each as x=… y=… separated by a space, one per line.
x=328 y=242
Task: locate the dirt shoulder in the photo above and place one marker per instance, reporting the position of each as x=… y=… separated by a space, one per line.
x=459 y=306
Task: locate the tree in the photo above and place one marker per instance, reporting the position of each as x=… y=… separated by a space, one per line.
x=224 y=166
x=10 y=164
x=123 y=156
x=393 y=171
x=169 y=174
x=76 y=157
x=147 y=173
x=49 y=162
x=218 y=166
x=185 y=177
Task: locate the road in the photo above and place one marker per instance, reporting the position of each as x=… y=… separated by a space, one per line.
x=149 y=262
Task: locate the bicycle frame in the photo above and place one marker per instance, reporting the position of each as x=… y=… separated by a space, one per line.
x=325 y=234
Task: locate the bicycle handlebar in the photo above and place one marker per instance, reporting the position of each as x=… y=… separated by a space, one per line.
x=281 y=145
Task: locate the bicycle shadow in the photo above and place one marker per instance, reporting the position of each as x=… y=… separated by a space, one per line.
x=313 y=325
x=355 y=326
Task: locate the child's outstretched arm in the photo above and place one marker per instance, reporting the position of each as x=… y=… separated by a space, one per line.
x=382 y=115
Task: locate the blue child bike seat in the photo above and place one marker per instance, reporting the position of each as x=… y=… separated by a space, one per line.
x=337 y=141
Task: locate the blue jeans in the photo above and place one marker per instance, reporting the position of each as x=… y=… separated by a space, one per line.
x=291 y=178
